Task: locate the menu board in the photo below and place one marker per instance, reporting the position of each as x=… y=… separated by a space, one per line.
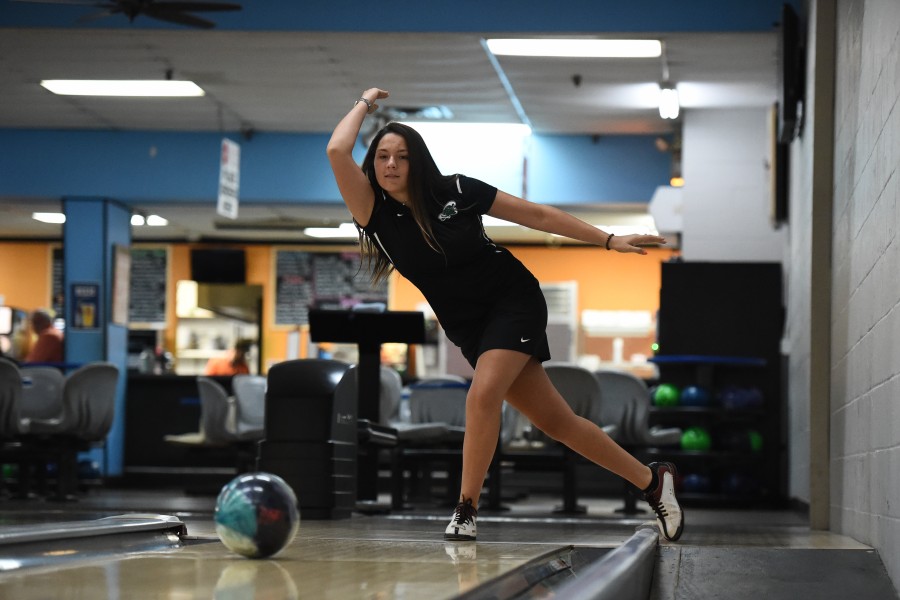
x=147 y=298
x=330 y=280
x=59 y=295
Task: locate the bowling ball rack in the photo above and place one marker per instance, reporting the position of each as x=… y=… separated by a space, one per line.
x=740 y=476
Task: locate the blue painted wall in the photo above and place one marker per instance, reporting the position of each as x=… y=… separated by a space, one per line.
x=275 y=167
x=160 y=166
x=565 y=169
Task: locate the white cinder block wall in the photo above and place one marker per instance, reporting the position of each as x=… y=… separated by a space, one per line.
x=865 y=322
x=865 y=382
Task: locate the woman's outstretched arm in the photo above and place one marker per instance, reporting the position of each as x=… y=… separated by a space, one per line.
x=550 y=219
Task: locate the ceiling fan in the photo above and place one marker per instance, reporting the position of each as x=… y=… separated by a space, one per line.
x=162 y=10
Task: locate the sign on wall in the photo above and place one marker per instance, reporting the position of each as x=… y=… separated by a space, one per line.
x=85 y=305
x=121 y=285
x=147 y=292
x=329 y=280
x=229 y=179
x=58 y=302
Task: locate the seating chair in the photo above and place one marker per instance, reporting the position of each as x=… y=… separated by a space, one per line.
x=250 y=403
x=636 y=414
x=10 y=400
x=215 y=412
x=532 y=448
x=218 y=428
x=437 y=407
x=390 y=391
x=627 y=397
x=88 y=409
x=41 y=392
x=391 y=432
x=580 y=389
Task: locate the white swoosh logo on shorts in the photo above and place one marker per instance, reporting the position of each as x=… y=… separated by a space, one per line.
x=523 y=340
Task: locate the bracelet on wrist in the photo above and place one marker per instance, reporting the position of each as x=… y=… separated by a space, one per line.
x=608 y=240
x=368 y=104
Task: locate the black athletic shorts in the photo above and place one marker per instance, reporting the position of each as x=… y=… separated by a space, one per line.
x=518 y=321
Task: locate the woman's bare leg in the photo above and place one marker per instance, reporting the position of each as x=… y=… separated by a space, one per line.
x=494 y=374
x=534 y=395
x=522 y=381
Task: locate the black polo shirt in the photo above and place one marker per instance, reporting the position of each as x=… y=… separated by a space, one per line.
x=470 y=280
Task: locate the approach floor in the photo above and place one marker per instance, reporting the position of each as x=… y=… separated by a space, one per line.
x=394 y=555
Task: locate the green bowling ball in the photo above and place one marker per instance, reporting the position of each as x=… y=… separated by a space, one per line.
x=756 y=440
x=666 y=394
x=696 y=438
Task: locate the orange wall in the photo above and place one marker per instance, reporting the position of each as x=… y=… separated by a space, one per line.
x=25 y=274
x=606 y=281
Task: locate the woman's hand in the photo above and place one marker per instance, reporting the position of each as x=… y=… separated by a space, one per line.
x=634 y=242
x=373 y=95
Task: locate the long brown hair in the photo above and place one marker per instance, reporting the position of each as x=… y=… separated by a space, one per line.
x=425 y=182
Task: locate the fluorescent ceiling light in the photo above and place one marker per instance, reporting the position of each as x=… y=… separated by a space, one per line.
x=157 y=221
x=152 y=221
x=134 y=88
x=344 y=230
x=668 y=102
x=49 y=217
x=584 y=48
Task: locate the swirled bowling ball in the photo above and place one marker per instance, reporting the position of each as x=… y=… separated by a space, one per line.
x=256 y=515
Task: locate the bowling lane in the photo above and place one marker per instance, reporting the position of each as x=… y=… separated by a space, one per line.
x=362 y=557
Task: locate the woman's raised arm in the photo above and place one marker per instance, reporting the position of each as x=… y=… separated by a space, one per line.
x=352 y=182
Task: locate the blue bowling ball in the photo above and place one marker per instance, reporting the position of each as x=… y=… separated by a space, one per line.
x=256 y=515
x=732 y=397
x=753 y=398
x=694 y=395
x=695 y=483
x=740 y=484
x=741 y=398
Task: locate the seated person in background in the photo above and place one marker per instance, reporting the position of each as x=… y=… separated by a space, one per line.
x=49 y=344
x=233 y=363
